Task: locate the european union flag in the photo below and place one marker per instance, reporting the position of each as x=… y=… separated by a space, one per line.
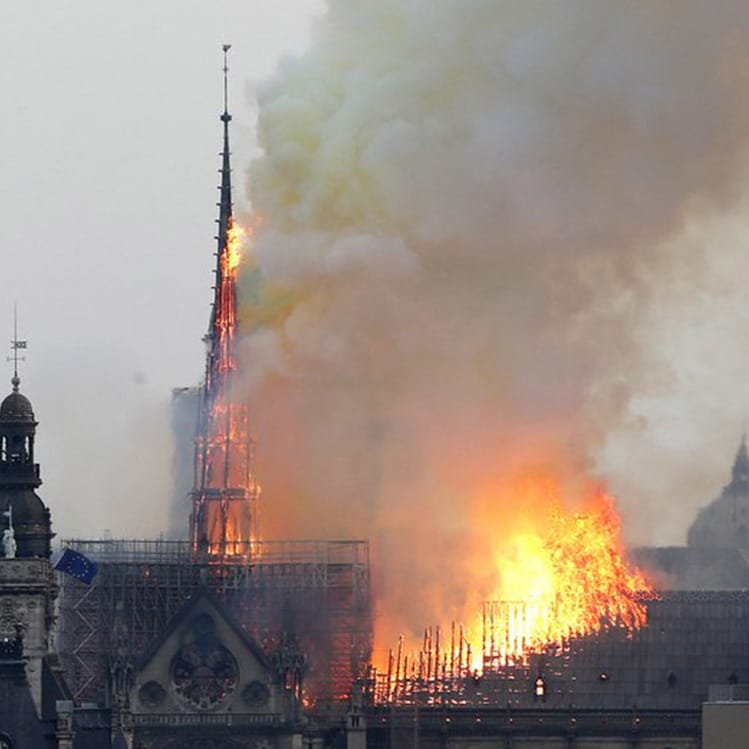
x=79 y=566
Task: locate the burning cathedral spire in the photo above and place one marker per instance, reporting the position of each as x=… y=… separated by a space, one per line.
x=223 y=522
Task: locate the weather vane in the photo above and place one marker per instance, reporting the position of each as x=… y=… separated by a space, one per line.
x=16 y=345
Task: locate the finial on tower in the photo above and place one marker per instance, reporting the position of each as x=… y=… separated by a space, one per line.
x=226 y=117
x=740 y=470
x=16 y=345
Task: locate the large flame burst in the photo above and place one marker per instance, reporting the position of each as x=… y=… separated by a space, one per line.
x=559 y=574
x=565 y=577
x=232 y=253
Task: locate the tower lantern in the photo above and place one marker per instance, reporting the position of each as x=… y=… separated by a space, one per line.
x=21 y=509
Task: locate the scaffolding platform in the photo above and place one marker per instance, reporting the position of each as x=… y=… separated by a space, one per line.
x=318 y=591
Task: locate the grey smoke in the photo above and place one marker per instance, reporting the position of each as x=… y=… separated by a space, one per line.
x=470 y=214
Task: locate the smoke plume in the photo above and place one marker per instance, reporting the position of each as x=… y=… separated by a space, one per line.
x=466 y=207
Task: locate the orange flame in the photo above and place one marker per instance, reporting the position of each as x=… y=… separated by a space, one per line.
x=559 y=575
x=566 y=576
x=232 y=253
x=227 y=497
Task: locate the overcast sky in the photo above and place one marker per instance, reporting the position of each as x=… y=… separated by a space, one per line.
x=109 y=143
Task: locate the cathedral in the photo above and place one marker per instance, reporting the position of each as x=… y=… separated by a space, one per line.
x=228 y=640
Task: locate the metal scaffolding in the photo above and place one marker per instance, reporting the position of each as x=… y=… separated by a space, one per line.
x=317 y=591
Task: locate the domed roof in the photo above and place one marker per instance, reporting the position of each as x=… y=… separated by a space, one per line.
x=28 y=508
x=32 y=524
x=16 y=407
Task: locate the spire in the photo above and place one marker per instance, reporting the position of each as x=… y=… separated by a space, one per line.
x=225 y=218
x=740 y=472
x=225 y=205
x=223 y=520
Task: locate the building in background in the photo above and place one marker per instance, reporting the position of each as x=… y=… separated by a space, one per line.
x=724 y=523
x=716 y=556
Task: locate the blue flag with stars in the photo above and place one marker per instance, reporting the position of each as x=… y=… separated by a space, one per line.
x=78 y=566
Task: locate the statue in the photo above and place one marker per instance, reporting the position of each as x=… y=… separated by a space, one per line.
x=9 y=536
x=9 y=543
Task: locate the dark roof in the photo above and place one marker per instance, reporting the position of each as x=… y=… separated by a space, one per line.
x=54 y=686
x=694 y=567
x=16 y=407
x=18 y=717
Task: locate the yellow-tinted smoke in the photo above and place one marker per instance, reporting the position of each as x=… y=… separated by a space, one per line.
x=464 y=207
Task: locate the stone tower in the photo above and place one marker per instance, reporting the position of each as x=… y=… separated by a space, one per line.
x=27 y=581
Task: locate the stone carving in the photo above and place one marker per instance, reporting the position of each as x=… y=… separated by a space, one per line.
x=12 y=613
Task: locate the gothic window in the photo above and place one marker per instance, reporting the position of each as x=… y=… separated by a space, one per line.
x=204 y=676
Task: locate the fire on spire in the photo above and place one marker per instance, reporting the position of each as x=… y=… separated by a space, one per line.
x=223 y=523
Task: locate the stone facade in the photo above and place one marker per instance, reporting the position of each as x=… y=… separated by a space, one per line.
x=206 y=683
x=27 y=593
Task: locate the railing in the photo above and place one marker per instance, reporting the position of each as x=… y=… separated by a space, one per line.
x=174 y=720
x=163 y=551
x=728 y=693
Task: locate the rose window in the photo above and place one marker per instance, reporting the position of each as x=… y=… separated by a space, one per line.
x=204 y=676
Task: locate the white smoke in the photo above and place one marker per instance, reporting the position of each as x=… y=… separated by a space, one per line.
x=466 y=211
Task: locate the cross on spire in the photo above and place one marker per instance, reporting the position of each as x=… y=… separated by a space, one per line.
x=16 y=345
x=226 y=117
